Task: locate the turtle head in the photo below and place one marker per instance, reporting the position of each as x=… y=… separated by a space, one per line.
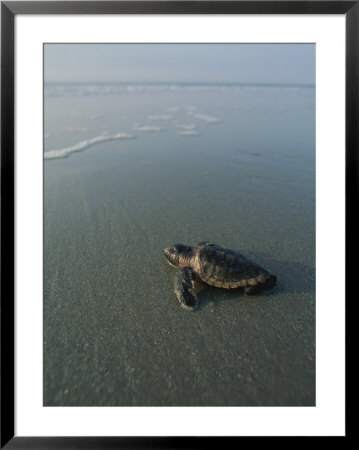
x=179 y=255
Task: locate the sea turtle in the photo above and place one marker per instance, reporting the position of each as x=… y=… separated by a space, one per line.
x=216 y=266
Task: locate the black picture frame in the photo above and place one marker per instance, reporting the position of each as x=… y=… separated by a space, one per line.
x=9 y=9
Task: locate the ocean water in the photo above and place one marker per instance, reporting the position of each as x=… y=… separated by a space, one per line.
x=132 y=168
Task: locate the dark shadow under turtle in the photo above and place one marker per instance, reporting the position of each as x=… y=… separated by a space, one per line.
x=213 y=265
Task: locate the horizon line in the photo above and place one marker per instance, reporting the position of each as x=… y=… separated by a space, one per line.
x=214 y=83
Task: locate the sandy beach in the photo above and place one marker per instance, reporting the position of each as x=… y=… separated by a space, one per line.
x=114 y=333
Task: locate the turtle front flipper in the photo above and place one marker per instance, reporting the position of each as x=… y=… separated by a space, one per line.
x=184 y=289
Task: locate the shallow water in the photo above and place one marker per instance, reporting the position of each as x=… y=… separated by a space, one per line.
x=114 y=333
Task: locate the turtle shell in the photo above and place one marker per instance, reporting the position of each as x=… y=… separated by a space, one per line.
x=228 y=269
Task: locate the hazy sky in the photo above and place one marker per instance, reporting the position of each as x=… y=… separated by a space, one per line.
x=242 y=63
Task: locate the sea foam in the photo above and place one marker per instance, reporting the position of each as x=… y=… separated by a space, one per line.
x=160 y=117
x=83 y=145
x=205 y=118
x=190 y=126
x=147 y=128
x=188 y=133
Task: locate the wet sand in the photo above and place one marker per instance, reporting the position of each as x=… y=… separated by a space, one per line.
x=114 y=333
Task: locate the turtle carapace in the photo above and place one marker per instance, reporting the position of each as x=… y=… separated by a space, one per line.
x=216 y=266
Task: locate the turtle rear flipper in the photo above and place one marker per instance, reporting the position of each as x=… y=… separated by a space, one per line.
x=184 y=289
x=269 y=283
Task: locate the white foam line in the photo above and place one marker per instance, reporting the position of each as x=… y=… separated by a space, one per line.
x=191 y=126
x=206 y=118
x=83 y=145
x=147 y=128
x=188 y=133
x=160 y=117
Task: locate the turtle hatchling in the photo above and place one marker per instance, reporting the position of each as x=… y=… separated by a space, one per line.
x=211 y=264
